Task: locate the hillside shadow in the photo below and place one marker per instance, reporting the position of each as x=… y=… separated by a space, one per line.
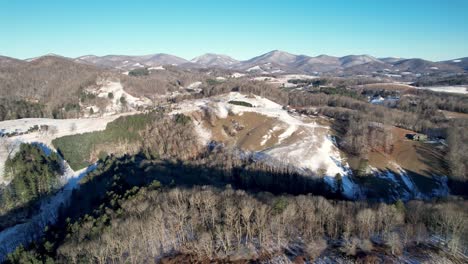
x=433 y=159
x=20 y=214
x=119 y=175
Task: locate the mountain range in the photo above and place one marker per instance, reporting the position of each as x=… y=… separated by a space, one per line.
x=279 y=62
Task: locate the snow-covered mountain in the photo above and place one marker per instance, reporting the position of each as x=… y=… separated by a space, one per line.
x=460 y=62
x=131 y=62
x=277 y=62
x=215 y=60
x=353 y=60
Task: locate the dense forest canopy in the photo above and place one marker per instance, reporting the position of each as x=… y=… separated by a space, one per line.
x=32 y=173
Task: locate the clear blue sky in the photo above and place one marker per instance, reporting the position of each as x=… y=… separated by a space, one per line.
x=429 y=29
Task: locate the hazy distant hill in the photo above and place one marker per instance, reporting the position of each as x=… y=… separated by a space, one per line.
x=215 y=60
x=461 y=63
x=277 y=62
x=131 y=62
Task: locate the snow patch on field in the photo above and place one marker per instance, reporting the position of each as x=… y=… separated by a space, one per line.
x=118 y=92
x=283 y=80
x=57 y=128
x=194 y=85
x=221 y=110
x=287 y=133
x=266 y=137
x=237 y=75
x=161 y=68
x=405 y=188
x=254 y=68
x=312 y=152
x=447 y=89
x=204 y=135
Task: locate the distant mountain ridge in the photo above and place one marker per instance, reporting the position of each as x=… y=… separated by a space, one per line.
x=215 y=60
x=126 y=62
x=277 y=61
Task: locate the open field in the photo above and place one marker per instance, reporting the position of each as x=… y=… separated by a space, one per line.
x=417 y=166
x=447 y=89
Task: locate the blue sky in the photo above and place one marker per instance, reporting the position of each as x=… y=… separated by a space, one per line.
x=430 y=29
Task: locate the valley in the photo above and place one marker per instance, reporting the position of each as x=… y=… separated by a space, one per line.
x=277 y=128
x=244 y=132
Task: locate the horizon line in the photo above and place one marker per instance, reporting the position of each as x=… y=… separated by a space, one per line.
x=214 y=53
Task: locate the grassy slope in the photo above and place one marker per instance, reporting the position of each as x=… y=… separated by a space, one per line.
x=76 y=149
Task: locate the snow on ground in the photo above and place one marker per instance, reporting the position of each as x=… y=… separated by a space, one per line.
x=287 y=133
x=204 y=135
x=260 y=105
x=265 y=79
x=447 y=89
x=283 y=80
x=377 y=100
x=266 y=137
x=57 y=128
x=237 y=75
x=254 y=68
x=221 y=110
x=405 y=188
x=117 y=91
x=277 y=71
x=311 y=151
x=194 y=85
x=161 y=68
x=7 y=148
x=12 y=237
x=456 y=61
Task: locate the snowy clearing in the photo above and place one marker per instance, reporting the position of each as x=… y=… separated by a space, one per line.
x=57 y=128
x=447 y=89
x=254 y=68
x=237 y=75
x=117 y=91
x=160 y=68
x=305 y=145
x=283 y=80
x=194 y=85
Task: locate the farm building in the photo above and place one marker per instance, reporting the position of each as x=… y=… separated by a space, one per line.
x=417 y=137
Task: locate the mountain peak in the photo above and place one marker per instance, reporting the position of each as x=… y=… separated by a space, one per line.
x=46 y=55
x=213 y=59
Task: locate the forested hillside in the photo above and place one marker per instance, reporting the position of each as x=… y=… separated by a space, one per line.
x=32 y=175
x=123 y=213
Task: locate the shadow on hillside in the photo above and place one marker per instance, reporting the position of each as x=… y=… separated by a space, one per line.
x=116 y=176
x=436 y=161
x=433 y=158
x=20 y=214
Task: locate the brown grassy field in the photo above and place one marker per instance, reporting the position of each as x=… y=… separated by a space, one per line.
x=256 y=126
